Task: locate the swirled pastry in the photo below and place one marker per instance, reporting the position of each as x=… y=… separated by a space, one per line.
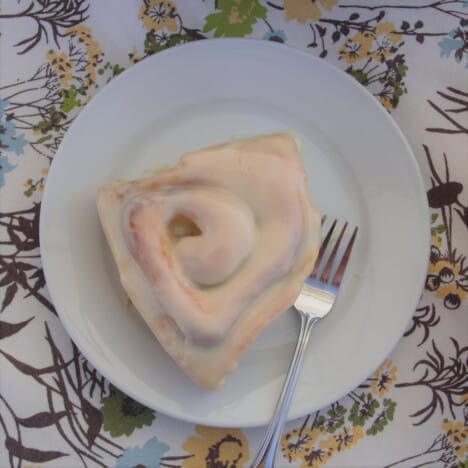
x=211 y=251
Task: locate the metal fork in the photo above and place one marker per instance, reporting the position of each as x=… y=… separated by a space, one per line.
x=315 y=300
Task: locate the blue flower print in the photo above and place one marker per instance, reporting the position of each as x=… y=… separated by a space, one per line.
x=3 y=104
x=276 y=35
x=9 y=140
x=453 y=42
x=5 y=166
x=148 y=456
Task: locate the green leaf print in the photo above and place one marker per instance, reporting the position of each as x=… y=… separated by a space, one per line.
x=154 y=44
x=70 y=100
x=52 y=121
x=44 y=139
x=336 y=418
x=363 y=409
x=440 y=229
x=235 y=18
x=384 y=417
x=358 y=75
x=117 y=70
x=319 y=422
x=122 y=415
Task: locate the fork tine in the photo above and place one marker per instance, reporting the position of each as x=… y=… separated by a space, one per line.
x=344 y=261
x=326 y=270
x=323 y=247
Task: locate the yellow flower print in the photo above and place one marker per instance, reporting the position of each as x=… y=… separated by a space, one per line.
x=388 y=29
x=385 y=40
x=90 y=77
x=303 y=10
x=157 y=15
x=133 y=56
x=320 y=455
x=378 y=44
x=83 y=37
x=93 y=54
x=457 y=434
x=386 y=101
x=436 y=240
x=62 y=66
x=348 y=437
x=330 y=444
x=314 y=447
x=356 y=47
x=383 y=377
x=297 y=444
x=452 y=295
x=83 y=33
x=446 y=279
x=216 y=447
x=445 y=268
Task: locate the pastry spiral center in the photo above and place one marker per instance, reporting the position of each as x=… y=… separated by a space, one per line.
x=212 y=231
x=227 y=234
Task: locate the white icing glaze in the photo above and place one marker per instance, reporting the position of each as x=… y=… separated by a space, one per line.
x=252 y=237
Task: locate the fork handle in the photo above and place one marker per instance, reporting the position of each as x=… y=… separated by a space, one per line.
x=265 y=457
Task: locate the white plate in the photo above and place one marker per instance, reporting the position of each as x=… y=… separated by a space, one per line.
x=360 y=168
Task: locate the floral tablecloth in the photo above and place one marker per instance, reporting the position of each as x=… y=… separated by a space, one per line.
x=55 y=409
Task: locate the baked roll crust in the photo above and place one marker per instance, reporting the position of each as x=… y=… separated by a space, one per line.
x=211 y=251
